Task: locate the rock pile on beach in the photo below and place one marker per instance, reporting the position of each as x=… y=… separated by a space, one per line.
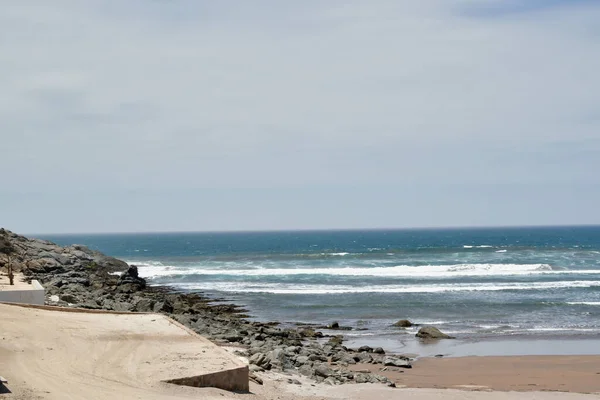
x=76 y=276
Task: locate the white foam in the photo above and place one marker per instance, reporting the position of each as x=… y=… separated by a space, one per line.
x=362 y=334
x=279 y=288
x=399 y=271
x=500 y=251
x=151 y=269
x=556 y=329
x=584 y=303
x=433 y=322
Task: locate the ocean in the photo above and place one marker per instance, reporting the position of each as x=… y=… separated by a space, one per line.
x=471 y=283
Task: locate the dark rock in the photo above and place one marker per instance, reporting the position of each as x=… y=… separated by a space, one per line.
x=122 y=306
x=336 y=327
x=323 y=371
x=336 y=340
x=144 y=305
x=430 y=332
x=233 y=338
x=89 y=304
x=301 y=360
x=367 y=349
x=69 y=298
x=310 y=333
x=163 y=306
x=306 y=370
x=379 y=350
x=404 y=323
x=130 y=281
x=131 y=273
x=363 y=358
x=278 y=358
x=260 y=359
x=317 y=357
x=362 y=378
x=6 y=246
x=403 y=362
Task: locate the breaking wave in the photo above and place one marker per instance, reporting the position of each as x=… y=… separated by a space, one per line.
x=154 y=270
x=281 y=288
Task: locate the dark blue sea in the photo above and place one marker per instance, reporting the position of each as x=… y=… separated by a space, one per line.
x=472 y=283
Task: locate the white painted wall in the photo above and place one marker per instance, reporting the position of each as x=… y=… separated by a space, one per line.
x=33 y=295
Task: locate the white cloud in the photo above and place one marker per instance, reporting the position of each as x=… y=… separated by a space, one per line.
x=188 y=94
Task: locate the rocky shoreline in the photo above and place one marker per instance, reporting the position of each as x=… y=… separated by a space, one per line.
x=78 y=277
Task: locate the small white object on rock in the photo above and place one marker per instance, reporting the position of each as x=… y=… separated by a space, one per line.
x=54 y=298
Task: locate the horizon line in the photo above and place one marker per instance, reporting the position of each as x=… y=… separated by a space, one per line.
x=456 y=227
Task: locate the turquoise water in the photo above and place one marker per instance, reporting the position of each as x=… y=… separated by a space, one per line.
x=473 y=283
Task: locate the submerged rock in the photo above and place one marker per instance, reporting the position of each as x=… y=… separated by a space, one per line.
x=430 y=332
x=404 y=323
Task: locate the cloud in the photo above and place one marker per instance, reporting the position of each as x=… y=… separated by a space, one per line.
x=106 y=97
x=510 y=8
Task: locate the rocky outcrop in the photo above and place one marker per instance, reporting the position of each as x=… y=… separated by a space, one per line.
x=5 y=245
x=42 y=256
x=430 y=332
x=404 y=323
x=130 y=281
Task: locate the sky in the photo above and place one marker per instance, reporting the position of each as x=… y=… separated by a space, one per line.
x=191 y=115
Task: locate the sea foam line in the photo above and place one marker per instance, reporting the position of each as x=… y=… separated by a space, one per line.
x=278 y=288
x=401 y=271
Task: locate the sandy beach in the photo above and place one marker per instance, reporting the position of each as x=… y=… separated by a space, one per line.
x=56 y=355
x=514 y=373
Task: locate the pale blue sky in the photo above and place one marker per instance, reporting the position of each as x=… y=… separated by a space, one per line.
x=203 y=115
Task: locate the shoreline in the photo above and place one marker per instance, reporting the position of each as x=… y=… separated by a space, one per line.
x=76 y=277
x=514 y=346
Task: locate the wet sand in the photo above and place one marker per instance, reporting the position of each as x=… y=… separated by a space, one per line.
x=489 y=346
x=579 y=374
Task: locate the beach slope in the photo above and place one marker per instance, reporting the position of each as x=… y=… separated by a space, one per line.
x=55 y=354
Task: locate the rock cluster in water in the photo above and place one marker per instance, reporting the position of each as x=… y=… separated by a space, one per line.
x=76 y=276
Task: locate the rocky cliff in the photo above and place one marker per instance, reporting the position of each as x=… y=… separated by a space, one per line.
x=39 y=256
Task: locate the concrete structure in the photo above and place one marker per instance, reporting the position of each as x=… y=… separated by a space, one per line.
x=118 y=351
x=21 y=292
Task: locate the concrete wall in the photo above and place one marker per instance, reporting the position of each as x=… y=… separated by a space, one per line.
x=234 y=380
x=34 y=294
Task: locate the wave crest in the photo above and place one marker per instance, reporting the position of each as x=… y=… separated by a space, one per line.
x=278 y=288
x=153 y=270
